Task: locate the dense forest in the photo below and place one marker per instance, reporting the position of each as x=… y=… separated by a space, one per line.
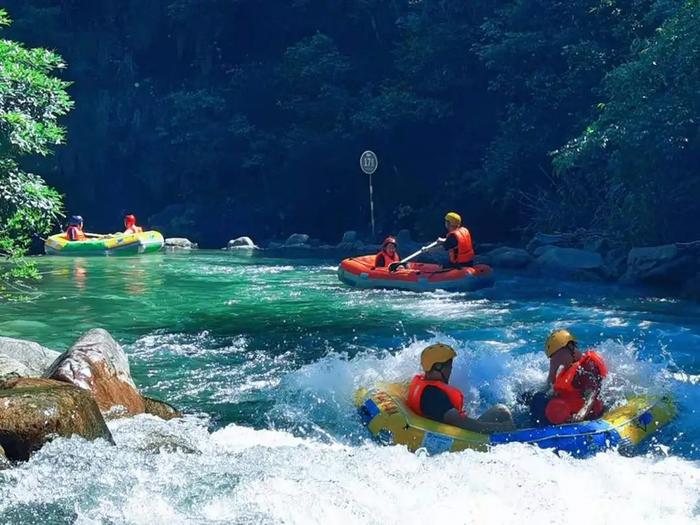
x=215 y=118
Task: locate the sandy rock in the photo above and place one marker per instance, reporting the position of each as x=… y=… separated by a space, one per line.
x=241 y=243
x=32 y=357
x=97 y=363
x=180 y=242
x=297 y=239
x=35 y=410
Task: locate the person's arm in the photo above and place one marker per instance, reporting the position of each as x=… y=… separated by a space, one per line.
x=454 y=418
x=590 y=398
x=379 y=261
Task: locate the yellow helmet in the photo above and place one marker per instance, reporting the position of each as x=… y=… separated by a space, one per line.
x=437 y=353
x=557 y=340
x=454 y=218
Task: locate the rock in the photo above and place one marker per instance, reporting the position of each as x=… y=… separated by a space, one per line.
x=11 y=368
x=180 y=242
x=4 y=462
x=659 y=265
x=616 y=263
x=160 y=408
x=297 y=239
x=571 y=262
x=691 y=288
x=596 y=244
x=32 y=357
x=549 y=239
x=349 y=236
x=506 y=257
x=242 y=243
x=97 y=363
x=35 y=410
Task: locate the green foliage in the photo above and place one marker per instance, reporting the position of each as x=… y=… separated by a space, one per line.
x=640 y=155
x=31 y=101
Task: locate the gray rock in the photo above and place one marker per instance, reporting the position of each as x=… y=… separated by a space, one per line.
x=596 y=244
x=506 y=257
x=297 y=239
x=35 y=410
x=659 y=265
x=180 y=242
x=549 y=239
x=571 y=262
x=11 y=368
x=541 y=249
x=244 y=242
x=33 y=357
x=691 y=288
x=348 y=237
x=4 y=462
x=616 y=263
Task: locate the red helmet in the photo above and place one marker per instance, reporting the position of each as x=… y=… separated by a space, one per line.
x=129 y=220
x=389 y=240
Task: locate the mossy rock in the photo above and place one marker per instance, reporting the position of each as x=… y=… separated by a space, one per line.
x=160 y=408
x=35 y=410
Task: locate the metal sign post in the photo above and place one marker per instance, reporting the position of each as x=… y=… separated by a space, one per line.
x=368 y=164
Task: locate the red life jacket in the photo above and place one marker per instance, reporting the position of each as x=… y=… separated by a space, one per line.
x=388 y=259
x=464 y=252
x=565 y=391
x=73 y=233
x=418 y=384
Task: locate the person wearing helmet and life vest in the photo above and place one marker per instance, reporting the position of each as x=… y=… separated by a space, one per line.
x=74 y=232
x=457 y=243
x=388 y=254
x=573 y=383
x=431 y=396
x=130 y=225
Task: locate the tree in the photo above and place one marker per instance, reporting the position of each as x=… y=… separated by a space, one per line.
x=31 y=102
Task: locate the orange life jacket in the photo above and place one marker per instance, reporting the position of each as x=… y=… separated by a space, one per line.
x=388 y=259
x=418 y=384
x=565 y=391
x=464 y=252
x=77 y=233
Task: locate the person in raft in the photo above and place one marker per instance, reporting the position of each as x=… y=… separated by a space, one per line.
x=457 y=242
x=573 y=383
x=431 y=396
x=130 y=225
x=388 y=254
x=74 y=232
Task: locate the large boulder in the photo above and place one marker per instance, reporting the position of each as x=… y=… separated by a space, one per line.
x=25 y=357
x=97 y=363
x=549 y=239
x=297 y=239
x=244 y=242
x=571 y=262
x=506 y=257
x=35 y=410
x=4 y=462
x=349 y=236
x=180 y=243
x=667 y=264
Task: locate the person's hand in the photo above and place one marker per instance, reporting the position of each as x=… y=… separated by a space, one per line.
x=577 y=417
x=441 y=239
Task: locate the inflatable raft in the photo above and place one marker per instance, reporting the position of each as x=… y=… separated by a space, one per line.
x=135 y=243
x=417 y=277
x=384 y=412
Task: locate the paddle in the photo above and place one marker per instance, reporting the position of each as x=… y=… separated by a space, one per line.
x=394 y=266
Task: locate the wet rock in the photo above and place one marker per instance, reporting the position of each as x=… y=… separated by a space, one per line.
x=665 y=265
x=180 y=243
x=97 y=363
x=29 y=357
x=297 y=239
x=506 y=257
x=349 y=236
x=244 y=242
x=616 y=263
x=691 y=288
x=572 y=263
x=160 y=408
x=4 y=462
x=596 y=244
x=35 y=410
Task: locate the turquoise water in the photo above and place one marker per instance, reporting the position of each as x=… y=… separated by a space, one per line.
x=265 y=355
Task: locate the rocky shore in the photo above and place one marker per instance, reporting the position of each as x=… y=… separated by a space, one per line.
x=45 y=394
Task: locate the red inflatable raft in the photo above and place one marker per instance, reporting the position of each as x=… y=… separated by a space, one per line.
x=417 y=277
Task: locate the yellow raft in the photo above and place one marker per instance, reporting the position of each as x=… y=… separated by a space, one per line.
x=120 y=244
x=383 y=410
